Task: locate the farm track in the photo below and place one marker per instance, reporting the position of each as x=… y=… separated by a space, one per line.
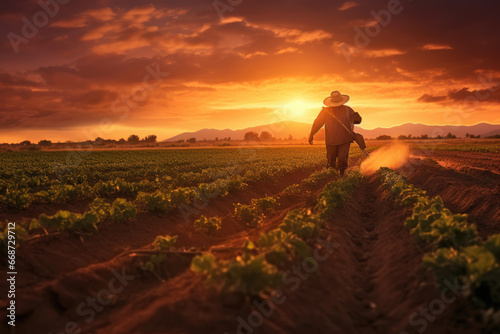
x=461 y=191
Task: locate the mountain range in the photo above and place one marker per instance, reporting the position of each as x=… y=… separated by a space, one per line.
x=299 y=130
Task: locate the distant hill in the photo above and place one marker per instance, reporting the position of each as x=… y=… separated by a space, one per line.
x=431 y=130
x=278 y=130
x=300 y=130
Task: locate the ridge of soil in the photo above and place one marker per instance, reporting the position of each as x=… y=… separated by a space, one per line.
x=462 y=192
x=371 y=283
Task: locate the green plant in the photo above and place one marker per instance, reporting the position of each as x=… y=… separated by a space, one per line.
x=476 y=269
x=265 y=204
x=122 y=210
x=164 y=243
x=248 y=214
x=281 y=247
x=157 y=201
x=101 y=208
x=155 y=266
x=208 y=225
x=302 y=223
x=318 y=177
x=63 y=220
x=247 y=274
x=431 y=223
x=293 y=189
x=335 y=193
x=16 y=199
x=20 y=236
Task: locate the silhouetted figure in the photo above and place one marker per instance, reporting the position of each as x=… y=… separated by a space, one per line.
x=337 y=138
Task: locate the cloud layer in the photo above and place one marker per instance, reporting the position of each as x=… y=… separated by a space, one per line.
x=99 y=62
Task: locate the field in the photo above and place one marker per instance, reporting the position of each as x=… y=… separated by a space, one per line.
x=254 y=240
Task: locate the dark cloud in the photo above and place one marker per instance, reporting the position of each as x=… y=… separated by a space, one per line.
x=491 y=95
x=430 y=98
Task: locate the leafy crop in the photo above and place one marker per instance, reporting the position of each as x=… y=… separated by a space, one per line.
x=256 y=270
x=476 y=269
x=155 y=202
x=432 y=223
x=318 y=177
x=336 y=193
x=293 y=189
x=155 y=266
x=265 y=204
x=65 y=220
x=165 y=243
x=302 y=223
x=20 y=236
x=247 y=274
x=122 y=210
x=16 y=199
x=101 y=208
x=248 y=214
x=458 y=253
x=208 y=225
x=282 y=247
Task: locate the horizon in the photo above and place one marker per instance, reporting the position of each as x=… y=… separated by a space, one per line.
x=109 y=70
x=159 y=140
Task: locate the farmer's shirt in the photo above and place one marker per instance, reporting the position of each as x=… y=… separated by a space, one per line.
x=336 y=134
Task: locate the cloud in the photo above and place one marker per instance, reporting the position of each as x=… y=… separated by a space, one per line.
x=436 y=47
x=427 y=98
x=465 y=95
x=347 y=5
x=95 y=51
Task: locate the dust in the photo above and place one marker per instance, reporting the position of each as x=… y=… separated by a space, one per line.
x=392 y=156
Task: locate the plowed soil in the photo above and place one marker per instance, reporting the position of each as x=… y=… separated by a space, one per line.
x=369 y=276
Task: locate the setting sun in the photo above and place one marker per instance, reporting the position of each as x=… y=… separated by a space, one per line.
x=296 y=108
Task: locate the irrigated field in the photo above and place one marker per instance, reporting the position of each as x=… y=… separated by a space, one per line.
x=253 y=240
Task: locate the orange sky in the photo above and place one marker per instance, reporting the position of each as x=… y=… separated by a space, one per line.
x=187 y=67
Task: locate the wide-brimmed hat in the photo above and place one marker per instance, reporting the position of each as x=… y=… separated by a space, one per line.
x=336 y=99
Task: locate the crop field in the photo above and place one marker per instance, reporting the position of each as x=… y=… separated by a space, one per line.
x=253 y=240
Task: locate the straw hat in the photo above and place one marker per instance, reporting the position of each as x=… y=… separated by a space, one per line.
x=336 y=99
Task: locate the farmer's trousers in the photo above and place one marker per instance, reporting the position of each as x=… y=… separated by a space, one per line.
x=340 y=153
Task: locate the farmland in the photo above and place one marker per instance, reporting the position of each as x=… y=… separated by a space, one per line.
x=251 y=239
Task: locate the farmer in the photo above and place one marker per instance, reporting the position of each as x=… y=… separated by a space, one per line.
x=337 y=137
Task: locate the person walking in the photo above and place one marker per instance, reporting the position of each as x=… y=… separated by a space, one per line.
x=337 y=137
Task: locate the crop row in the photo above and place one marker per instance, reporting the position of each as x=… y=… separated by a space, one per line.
x=457 y=253
x=259 y=267
x=20 y=193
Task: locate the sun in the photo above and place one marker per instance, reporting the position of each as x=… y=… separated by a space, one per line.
x=296 y=108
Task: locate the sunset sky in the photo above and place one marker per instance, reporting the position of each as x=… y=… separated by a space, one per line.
x=111 y=68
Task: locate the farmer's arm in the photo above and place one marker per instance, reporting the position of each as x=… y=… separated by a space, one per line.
x=356 y=118
x=317 y=125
